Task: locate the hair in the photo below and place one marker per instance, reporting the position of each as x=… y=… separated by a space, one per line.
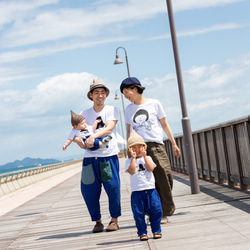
x=139 y=90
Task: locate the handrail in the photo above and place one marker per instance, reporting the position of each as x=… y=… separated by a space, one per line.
x=222 y=153
x=15 y=175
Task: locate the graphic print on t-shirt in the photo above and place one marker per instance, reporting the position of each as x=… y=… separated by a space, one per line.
x=85 y=131
x=101 y=124
x=141 y=168
x=140 y=119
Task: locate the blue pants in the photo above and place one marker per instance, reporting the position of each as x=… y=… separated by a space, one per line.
x=96 y=142
x=98 y=171
x=146 y=201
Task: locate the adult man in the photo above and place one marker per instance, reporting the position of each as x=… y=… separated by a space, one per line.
x=148 y=119
x=101 y=167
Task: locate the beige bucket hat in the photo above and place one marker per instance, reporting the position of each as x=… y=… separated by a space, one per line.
x=134 y=139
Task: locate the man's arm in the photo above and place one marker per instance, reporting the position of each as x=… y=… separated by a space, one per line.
x=103 y=132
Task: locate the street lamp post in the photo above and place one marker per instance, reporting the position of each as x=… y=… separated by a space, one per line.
x=119 y=61
x=187 y=133
x=123 y=136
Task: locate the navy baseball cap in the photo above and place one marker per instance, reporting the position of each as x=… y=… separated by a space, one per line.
x=129 y=82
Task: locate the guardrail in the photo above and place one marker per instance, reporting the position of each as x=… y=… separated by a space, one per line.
x=222 y=153
x=12 y=181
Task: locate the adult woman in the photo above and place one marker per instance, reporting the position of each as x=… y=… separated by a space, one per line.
x=148 y=119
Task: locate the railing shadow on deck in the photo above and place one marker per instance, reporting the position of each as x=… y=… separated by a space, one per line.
x=222 y=153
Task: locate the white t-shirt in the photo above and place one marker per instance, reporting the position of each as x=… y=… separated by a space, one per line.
x=141 y=179
x=144 y=119
x=80 y=133
x=108 y=113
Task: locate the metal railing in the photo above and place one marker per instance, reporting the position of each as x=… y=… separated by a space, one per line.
x=222 y=153
x=12 y=176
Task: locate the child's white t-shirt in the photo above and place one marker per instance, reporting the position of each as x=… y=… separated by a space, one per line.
x=80 y=133
x=142 y=179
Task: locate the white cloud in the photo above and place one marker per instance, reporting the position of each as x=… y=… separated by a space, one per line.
x=53 y=96
x=46 y=25
x=194 y=32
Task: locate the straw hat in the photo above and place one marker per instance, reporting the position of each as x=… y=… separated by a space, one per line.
x=97 y=83
x=134 y=139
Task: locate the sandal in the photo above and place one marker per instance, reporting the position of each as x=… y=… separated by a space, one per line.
x=143 y=237
x=113 y=226
x=157 y=235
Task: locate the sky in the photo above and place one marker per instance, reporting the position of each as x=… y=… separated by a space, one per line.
x=50 y=51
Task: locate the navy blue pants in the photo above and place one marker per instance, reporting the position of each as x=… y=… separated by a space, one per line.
x=98 y=171
x=146 y=201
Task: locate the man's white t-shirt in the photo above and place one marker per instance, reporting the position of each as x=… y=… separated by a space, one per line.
x=108 y=113
x=144 y=119
x=142 y=179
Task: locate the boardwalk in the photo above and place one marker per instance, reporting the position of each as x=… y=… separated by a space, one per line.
x=217 y=218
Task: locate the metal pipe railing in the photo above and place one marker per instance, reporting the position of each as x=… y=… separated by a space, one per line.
x=222 y=153
x=15 y=175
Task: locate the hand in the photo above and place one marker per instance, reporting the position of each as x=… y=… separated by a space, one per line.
x=64 y=147
x=79 y=141
x=144 y=151
x=90 y=142
x=176 y=151
x=132 y=153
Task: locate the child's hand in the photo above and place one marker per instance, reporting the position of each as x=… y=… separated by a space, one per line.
x=64 y=147
x=144 y=152
x=133 y=154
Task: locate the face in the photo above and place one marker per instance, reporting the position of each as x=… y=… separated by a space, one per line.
x=138 y=149
x=81 y=125
x=130 y=93
x=141 y=119
x=98 y=96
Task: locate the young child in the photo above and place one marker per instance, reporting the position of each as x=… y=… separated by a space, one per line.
x=81 y=129
x=144 y=197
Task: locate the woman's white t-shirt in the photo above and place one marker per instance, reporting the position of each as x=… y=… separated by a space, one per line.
x=144 y=119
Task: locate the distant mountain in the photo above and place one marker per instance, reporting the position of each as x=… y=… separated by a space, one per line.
x=27 y=162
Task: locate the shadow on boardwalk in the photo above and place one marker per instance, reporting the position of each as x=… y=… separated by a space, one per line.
x=217 y=218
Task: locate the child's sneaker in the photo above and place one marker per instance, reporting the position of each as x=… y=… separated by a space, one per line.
x=107 y=139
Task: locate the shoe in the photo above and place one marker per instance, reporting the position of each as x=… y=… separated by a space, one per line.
x=112 y=226
x=143 y=237
x=157 y=235
x=98 y=227
x=164 y=220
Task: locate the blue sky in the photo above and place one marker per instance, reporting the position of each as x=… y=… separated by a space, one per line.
x=50 y=50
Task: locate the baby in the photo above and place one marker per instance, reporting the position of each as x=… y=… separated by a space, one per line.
x=81 y=129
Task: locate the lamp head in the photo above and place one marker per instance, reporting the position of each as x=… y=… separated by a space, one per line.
x=117 y=59
x=117 y=97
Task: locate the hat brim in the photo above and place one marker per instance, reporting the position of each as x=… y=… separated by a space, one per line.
x=136 y=143
x=95 y=87
x=129 y=86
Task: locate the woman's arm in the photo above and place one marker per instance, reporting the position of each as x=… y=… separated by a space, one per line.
x=169 y=134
